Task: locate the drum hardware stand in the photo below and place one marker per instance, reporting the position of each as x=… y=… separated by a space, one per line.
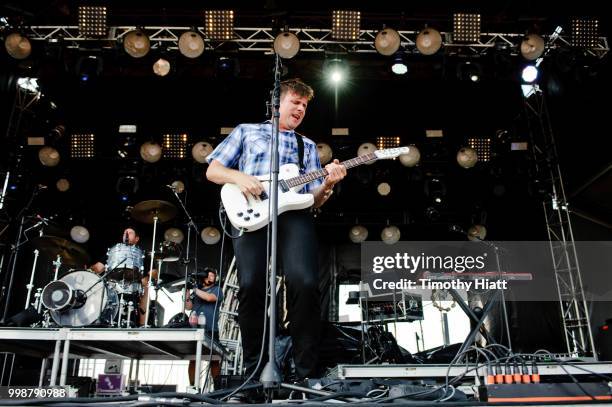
x=57 y=263
x=128 y=321
x=37 y=301
x=150 y=284
x=31 y=284
x=121 y=306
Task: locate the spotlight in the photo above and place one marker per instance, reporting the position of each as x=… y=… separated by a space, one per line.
x=174 y=235
x=48 y=156
x=82 y=146
x=387 y=142
x=219 y=24
x=79 y=234
x=325 y=153
x=175 y=145
x=482 y=146
x=390 y=234
x=467 y=157
x=161 y=67
x=191 y=44
x=387 y=42
x=136 y=43
x=127 y=185
x=477 y=232
x=584 y=32
x=366 y=148
x=529 y=74
x=412 y=158
x=286 y=45
x=92 y=21
x=30 y=85
x=532 y=47
x=178 y=186
x=345 y=25
x=150 y=151
x=469 y=71
x=336 y=70
x=200 y=151
x=227 y=67
x=211 y=235
x=62 y=185
x=383 y=189
x=429 y=41
x=18 y=46
x=399 y=66
x=358 y=234
x=466 y=27
x=89 y=67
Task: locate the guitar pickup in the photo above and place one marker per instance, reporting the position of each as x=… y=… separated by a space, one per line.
x=283 y=185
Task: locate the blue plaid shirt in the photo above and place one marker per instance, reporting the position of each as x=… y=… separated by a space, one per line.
x=247 y=148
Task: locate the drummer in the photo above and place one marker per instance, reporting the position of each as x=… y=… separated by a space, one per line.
x=131 y=238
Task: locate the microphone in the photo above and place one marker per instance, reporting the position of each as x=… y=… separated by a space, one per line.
x=125 y=237
x=41 y=186
x=172 y=187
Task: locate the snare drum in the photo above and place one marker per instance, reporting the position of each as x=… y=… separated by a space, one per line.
x=125 y=262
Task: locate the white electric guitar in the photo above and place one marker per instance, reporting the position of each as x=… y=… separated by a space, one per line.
x=250 y=214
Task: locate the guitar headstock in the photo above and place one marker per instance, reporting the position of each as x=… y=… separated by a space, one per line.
x=388 y=153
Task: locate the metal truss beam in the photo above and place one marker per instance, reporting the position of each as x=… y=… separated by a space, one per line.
x=312 y=40
x=574 y=311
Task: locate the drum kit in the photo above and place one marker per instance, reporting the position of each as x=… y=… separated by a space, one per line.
x=81 y=297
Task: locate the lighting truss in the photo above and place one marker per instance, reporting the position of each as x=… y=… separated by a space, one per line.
x=92 y=21
x=387 y=142
x=261 y=39
x=584 y=32
x=466 y=27
x=482 y=147
x=174 y=145
x=82 y=145
x=345 y=25
x=219 y=24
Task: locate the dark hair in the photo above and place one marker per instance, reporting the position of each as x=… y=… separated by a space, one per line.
x=298 y=87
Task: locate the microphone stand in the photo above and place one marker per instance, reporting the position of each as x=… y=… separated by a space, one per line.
x=270 y=376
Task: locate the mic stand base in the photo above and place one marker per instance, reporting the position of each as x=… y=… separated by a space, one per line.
x=271 y=377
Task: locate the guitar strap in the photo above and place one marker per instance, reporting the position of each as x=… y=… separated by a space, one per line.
x=300 y=144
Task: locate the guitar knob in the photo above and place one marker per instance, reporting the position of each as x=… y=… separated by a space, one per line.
x=250 y=210
x=246 y=218
x=256 y=214
x=239 y=214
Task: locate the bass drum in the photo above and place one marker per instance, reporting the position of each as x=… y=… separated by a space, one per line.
x=79 y=299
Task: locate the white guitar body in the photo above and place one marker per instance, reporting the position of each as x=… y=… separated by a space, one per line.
x=252 y=214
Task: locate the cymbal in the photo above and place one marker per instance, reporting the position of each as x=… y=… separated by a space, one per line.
x=146 y=211
x=72 y=254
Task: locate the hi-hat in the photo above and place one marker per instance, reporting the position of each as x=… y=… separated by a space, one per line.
x=429 y=41
x=387 y=42
x=191 y=44
x=146 y=211
x=18 y=46
x=286 y=45
x=532 y=47
x=71 y=253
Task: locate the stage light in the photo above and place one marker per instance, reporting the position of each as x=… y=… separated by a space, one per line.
x=482 y=146
x=286 y=45
x=210 y=235
x=467 y=157
x=325 y=153
x=30 y=85
x=529 y=74
x=161 y=67
x=346 y=25
x=48 y=156
x=62 y=185
x=191 y=44
x=200 y=151
x=150 y=151
x=79 y=234
x=174 y=235
x=429 y=41
x=387 y=42
x=179 y=186
x=390 y=234
x=466 y=27
x=89 y=67
x=219 y=24
x=126 y=186
x=175 y=145
x=136 y=43
x=336 y=70
x=92 y=21
x=383 y=189
x=399 y=67
x=435 y=190
x=366 y=148
x=412 y=158
x=477 y=233
x=532 y=47
x=387 y=142
x=358 y=234
x=18 y=46
x=469 y=70
x=584 y=32
x=227 y=67
x=82 y=146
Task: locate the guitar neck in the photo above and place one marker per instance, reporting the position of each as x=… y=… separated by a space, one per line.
x=311 y=176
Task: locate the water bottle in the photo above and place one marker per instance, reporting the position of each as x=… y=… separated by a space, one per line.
x=201 y=320
x=193 y=319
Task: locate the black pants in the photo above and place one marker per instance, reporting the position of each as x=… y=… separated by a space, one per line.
x=297 y=255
